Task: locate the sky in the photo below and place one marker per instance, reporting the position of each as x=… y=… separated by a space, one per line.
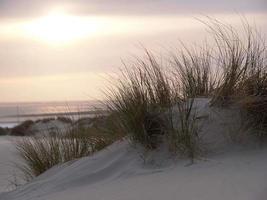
x=62 y=50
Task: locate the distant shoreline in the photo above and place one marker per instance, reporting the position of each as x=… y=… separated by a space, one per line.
x=56 y=114
x=11 y=123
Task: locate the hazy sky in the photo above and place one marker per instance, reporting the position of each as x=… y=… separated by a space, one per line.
x=64 y=50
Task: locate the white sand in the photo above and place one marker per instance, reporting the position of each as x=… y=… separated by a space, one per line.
x=119 y=173
x=8 y=171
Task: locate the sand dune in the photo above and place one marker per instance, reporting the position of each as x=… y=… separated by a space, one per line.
x=228 y=170
x=118 y=172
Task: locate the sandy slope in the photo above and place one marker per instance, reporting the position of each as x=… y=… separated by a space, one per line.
x=229 y=171
x=119 y=173
x=7 y=159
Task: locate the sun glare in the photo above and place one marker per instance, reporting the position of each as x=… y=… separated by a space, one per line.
x=58 y=27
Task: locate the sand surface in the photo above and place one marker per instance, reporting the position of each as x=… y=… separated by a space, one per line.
x=228 y=171
x=119 y=173
x=8 y=158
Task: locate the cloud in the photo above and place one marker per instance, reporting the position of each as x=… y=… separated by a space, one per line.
x=172 y=6
x=31 y=8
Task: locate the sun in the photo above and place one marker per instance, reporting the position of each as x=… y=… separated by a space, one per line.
x=58 y=27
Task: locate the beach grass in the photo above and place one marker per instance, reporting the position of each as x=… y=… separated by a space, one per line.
x=41 y=152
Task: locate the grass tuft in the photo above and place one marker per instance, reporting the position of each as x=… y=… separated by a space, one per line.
x=42 y=152
x=139 y=99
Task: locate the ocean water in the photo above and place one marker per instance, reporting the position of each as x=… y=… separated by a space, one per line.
x=12 y=114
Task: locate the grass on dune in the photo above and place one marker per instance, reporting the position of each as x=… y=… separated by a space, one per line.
x=42 y=152
x=242 y=56
x=144 y=99
x=140 y=98
x=232 y=71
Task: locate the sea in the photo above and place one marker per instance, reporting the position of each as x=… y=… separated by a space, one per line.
x=14 y=113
